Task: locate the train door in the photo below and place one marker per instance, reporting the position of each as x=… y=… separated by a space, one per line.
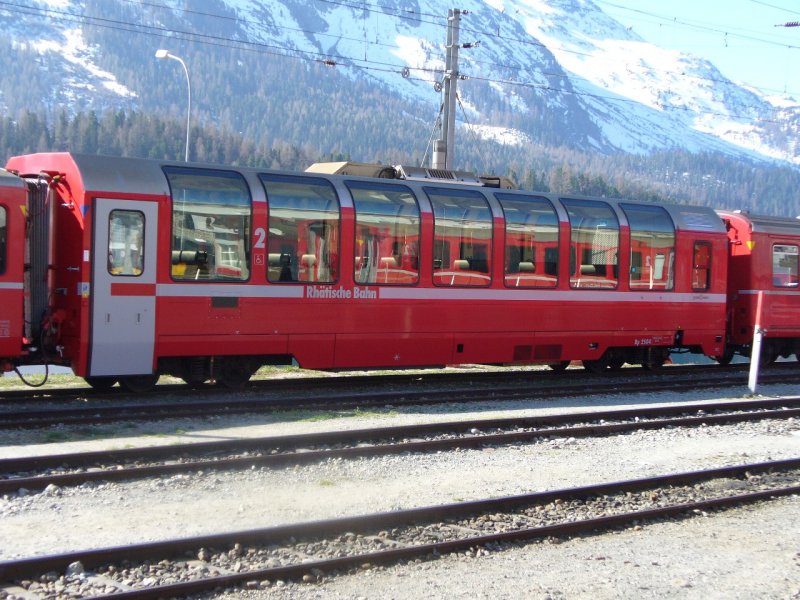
x=124 y=285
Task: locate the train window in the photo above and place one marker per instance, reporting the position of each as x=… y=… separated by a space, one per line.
x=701 y=267
x=303 y=239
x=785 y=263
x=387 y=233
x=531 y=241
x=594 y=244
x=652 y=247
x=211 y=216
x=462 y=237
x=126 y=243
x=3 y=238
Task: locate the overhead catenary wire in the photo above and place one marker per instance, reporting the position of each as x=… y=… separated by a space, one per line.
x=365 y=64
x=439 y=21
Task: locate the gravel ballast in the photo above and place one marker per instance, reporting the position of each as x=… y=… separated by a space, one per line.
x=746 y=552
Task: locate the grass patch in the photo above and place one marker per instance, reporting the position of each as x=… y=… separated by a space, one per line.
x=358 y=412
x=308 y=416
x=12 y=380
x=76 y=435
x=323 y=416
x=52 y=437
x=92 y=432
x=326 y=483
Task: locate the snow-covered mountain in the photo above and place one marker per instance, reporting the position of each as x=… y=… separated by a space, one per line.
x=558 y=66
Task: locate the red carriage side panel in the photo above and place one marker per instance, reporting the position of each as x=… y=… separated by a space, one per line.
x=209 y=271
x=68 y=312
x=13 y=207
x=765 y=259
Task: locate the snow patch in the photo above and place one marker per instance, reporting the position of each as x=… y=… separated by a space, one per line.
x=501 y=135
x=74 y=49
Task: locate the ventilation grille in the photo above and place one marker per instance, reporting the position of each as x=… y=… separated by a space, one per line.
x=422 y=173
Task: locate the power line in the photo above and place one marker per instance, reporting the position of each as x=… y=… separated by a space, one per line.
x=208 y=39
x=617 y=99
x=281 y=51
x=260 y=24
x=660 y=19
x=439 y=21
x=788 y=10
x=703 y=26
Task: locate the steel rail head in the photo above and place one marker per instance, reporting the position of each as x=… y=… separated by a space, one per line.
x=21 y=568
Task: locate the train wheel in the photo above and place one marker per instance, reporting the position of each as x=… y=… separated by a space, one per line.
x=234 y=374
x=726 y=357
x=652 y=364
x=101 y=384
x=615 y=364
x=559 y=366
x=139 y=384
x=195 y=384
x=654 y=359
x=769 y=354
x=597 y=367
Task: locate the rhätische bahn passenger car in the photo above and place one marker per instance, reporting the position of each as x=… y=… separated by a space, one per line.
x=206 y=272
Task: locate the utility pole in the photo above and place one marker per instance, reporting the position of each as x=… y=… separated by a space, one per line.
x=444 y=147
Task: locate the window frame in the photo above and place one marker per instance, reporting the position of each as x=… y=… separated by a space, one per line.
x=668 y=259
x=181 y=258
x=3 y=238
x=143 y=222
x=794 y=272
x=697 y=244
x=442 y=245
x=288 y=271
x=583 y=276
x=404 y=258
x=524 y=280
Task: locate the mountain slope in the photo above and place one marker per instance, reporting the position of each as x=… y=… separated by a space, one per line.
x=546 y=72
x=672 y=99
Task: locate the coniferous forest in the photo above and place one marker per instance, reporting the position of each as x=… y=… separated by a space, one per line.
x=256 y=109
x=707 y=179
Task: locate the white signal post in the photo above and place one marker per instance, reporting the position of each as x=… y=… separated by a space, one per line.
x=755 y=351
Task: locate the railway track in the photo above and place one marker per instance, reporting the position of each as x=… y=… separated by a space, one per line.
x=431 y=377
x=272 y=452
x=352 y=399
x=312 y=551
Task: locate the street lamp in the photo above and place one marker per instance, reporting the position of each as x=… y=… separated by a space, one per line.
x=161 y=53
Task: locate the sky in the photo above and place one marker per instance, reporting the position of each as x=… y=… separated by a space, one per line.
x=738 y=36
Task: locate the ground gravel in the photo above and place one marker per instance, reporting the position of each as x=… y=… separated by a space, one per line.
x=748 y=552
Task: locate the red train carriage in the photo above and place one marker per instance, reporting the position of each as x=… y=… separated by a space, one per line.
x=207 y=272
x=13 y=204
x=765 y=259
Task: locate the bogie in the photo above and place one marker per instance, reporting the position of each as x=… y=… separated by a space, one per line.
x=138 y=384
x=102 y=384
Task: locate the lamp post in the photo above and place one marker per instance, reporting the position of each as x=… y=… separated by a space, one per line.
x=161 y=53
